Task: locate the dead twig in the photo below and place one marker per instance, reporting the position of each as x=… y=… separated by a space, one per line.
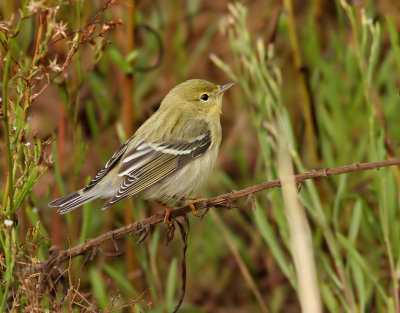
x=144 y=224
x=185 y=235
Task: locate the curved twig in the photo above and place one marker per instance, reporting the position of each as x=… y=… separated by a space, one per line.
x=160 y=50
x=142 y=226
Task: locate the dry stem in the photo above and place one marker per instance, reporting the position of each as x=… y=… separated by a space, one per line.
x=142 y=226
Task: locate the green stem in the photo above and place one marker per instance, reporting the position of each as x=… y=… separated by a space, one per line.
x=10 y=262
x=7 y=130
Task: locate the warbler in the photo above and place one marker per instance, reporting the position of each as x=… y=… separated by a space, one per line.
x=172 y=152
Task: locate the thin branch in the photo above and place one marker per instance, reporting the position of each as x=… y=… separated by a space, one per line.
x=7 y=135
x=311 y=127
x=141 y=226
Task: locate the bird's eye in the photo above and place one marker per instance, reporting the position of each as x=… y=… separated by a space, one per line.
x=204 y=97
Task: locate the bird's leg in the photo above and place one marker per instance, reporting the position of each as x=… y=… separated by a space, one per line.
x=168 y=210
x=191 y=203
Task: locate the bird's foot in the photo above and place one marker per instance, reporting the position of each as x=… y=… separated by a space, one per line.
x=168 y=210
x=191 y=203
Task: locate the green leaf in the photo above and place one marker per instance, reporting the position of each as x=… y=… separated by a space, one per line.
x=171 y=285
x=98 y=287
x=120 y=278
x=265 y=229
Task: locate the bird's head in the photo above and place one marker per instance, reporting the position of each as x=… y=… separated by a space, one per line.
x=196 y=96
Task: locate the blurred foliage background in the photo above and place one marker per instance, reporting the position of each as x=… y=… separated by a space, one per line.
x=318 y=77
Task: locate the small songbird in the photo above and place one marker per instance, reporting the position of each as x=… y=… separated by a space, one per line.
x=171 y=153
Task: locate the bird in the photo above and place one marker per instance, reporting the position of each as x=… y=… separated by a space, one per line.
x=171 y=153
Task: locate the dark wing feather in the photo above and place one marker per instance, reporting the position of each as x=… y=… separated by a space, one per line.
x=109 y=165
x=159 y=161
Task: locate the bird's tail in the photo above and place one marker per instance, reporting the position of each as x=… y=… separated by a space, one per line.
x=73 y=200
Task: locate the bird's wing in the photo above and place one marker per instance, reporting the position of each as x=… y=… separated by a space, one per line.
x=148 y=162
x=109 y=165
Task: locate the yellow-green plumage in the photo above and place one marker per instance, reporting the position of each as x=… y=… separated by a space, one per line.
x=172 y=152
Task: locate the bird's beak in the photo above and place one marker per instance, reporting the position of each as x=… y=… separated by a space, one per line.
x=225 y=87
